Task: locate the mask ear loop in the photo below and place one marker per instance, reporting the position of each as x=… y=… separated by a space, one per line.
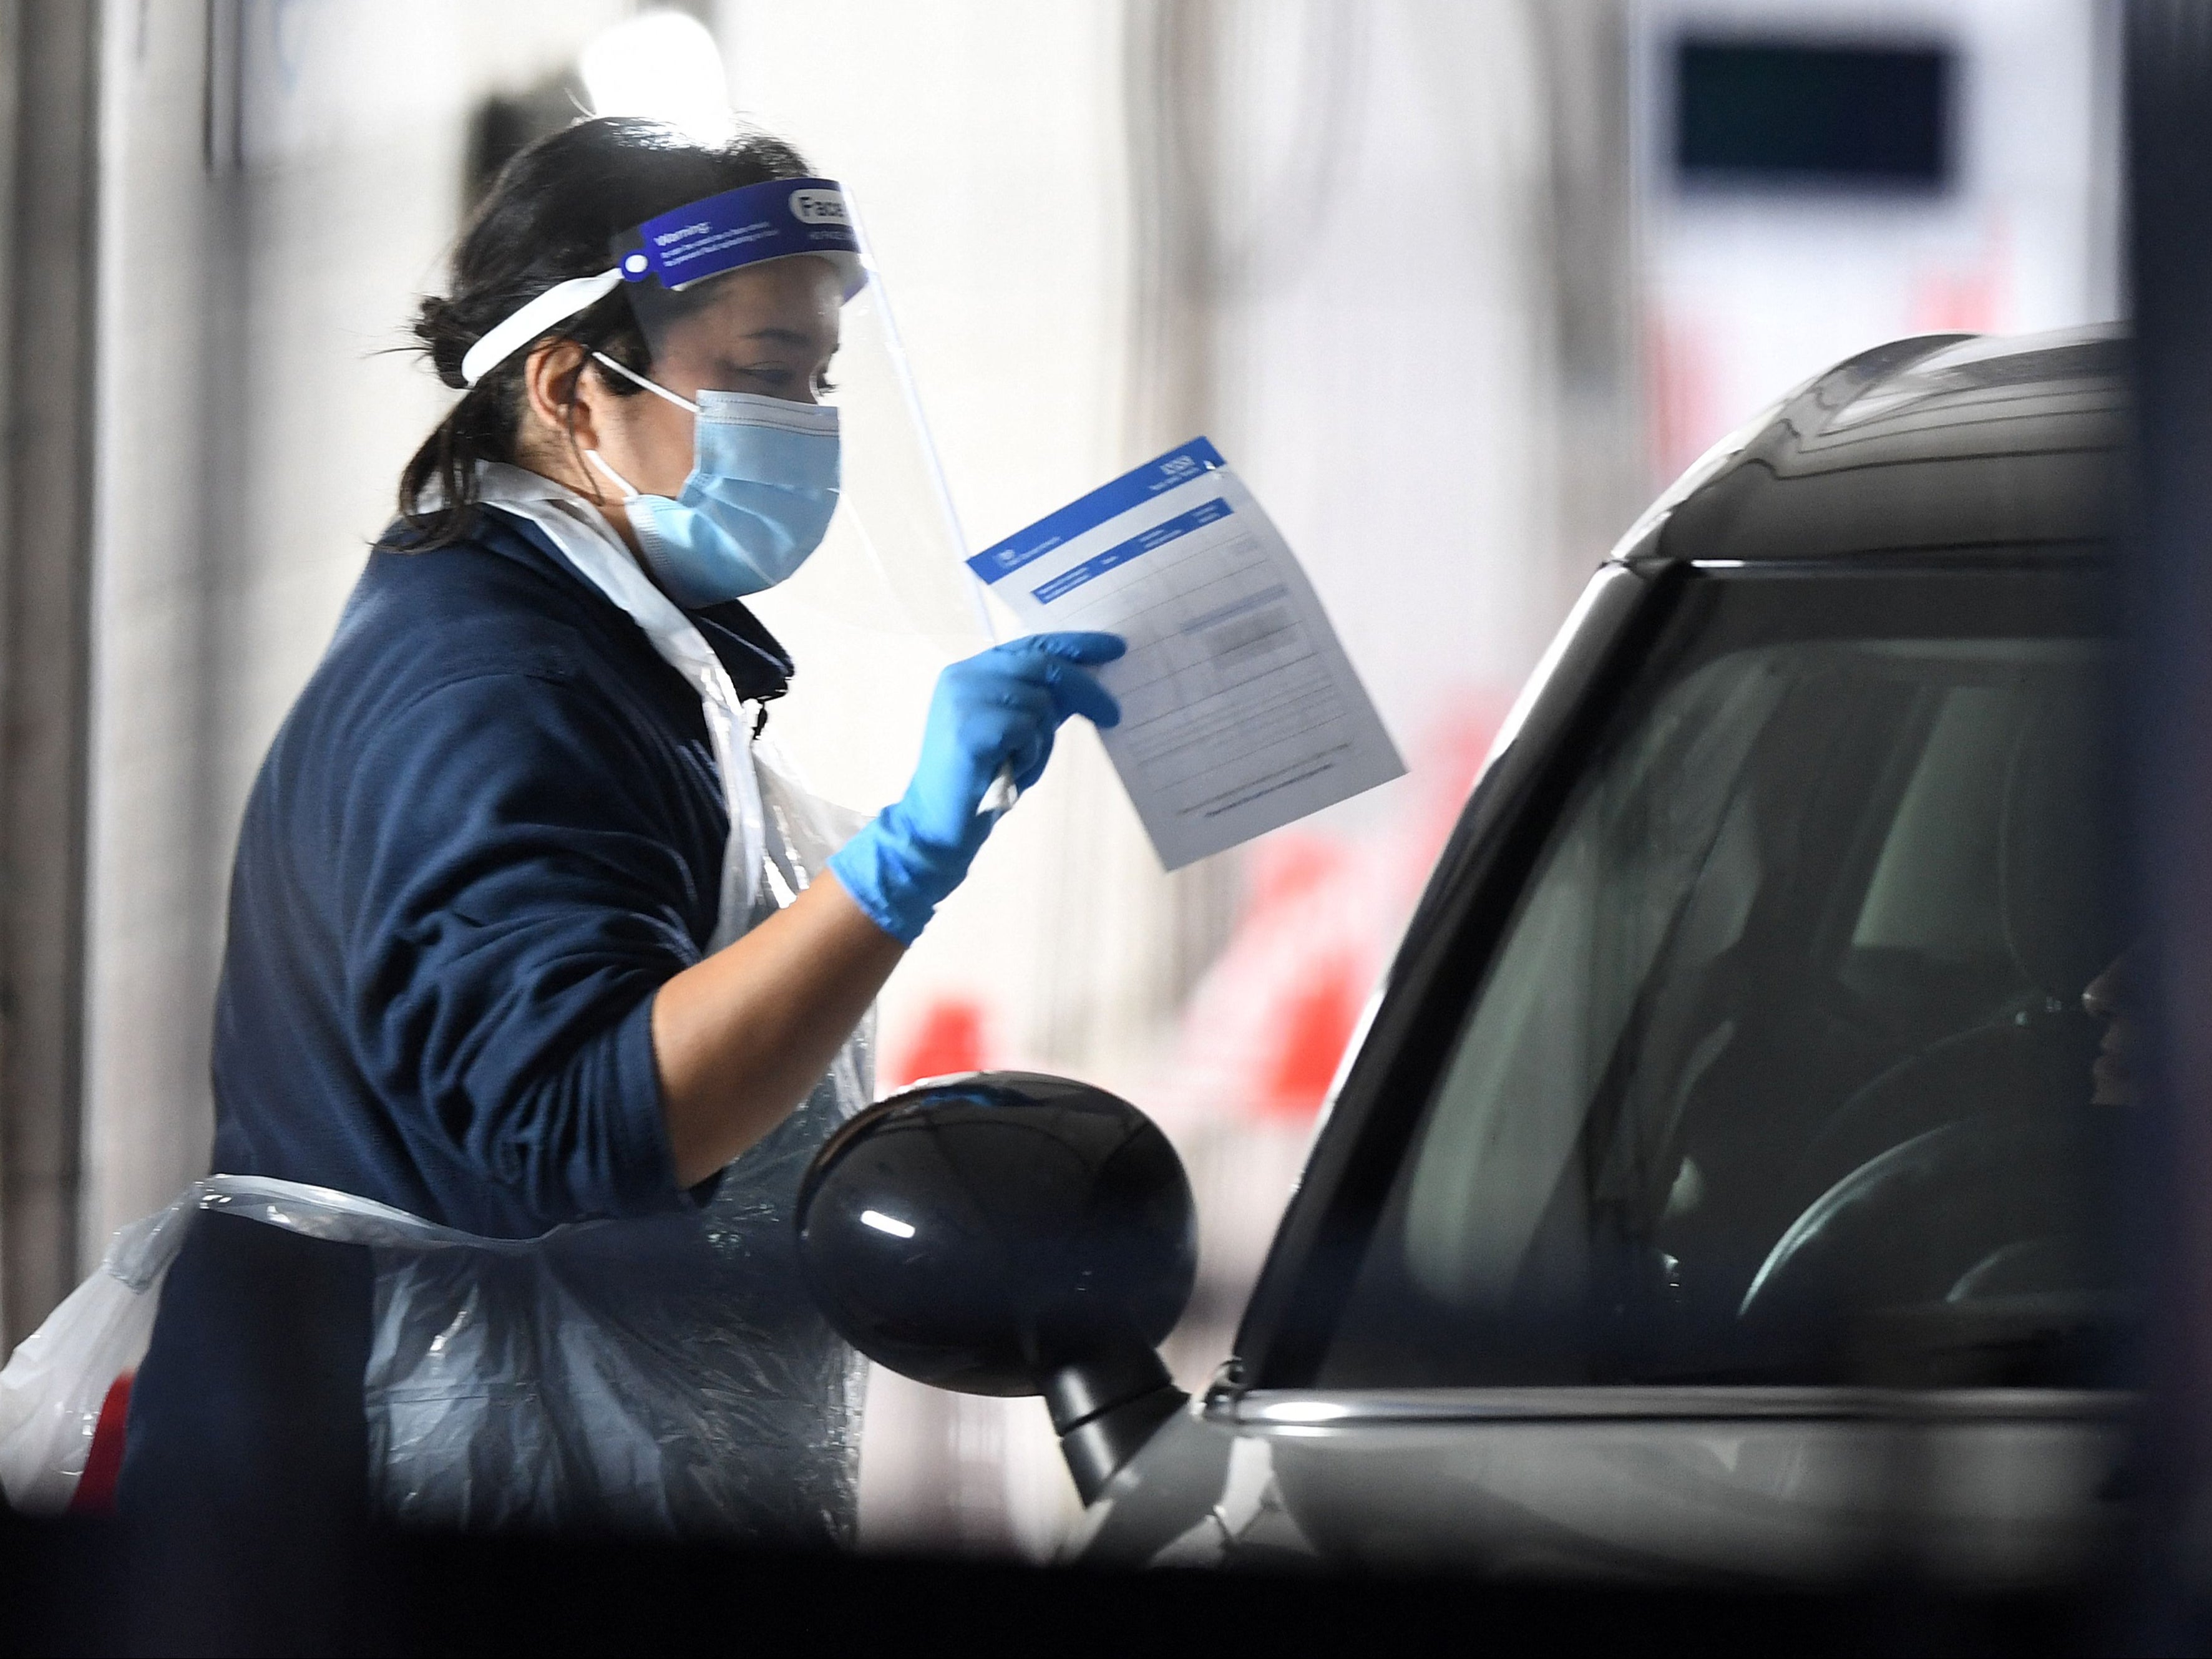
x=637 y=379
x=630 y=492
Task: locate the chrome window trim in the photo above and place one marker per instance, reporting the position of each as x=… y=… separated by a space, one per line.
x=1314 y=1408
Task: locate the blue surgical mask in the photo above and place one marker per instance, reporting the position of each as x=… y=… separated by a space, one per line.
x=762 y=491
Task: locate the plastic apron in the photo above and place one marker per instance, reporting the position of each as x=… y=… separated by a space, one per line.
x=664 y=1375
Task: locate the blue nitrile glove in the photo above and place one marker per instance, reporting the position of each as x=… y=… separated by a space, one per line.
x=998 y=708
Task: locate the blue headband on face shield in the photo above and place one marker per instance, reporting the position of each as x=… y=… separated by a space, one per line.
x=743 y=227
x=673 y=251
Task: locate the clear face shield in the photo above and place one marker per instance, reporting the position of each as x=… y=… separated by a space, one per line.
x=768 y=292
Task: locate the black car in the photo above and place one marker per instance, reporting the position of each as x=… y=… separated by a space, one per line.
x=1721 y=1185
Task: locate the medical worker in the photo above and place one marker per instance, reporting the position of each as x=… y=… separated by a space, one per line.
x=510 y=945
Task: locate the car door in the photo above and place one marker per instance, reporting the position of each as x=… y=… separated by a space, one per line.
x=1724 y=1187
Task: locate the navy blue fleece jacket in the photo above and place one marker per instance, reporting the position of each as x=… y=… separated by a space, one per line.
x=488 y=830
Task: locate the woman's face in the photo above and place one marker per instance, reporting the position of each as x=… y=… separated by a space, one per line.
x=769 y=329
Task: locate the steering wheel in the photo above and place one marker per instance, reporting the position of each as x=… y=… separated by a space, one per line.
x=1908 y=1225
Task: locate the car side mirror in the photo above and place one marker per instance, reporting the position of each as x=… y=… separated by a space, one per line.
x=1009 y=1233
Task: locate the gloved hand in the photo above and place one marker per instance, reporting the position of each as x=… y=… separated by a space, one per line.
x=999 y=708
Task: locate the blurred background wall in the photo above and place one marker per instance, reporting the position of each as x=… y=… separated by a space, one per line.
x=1455 y=284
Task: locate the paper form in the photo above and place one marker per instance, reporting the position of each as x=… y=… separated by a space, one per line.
x=1240 y=712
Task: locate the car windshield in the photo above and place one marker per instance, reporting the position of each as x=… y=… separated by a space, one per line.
x=1780 y=1070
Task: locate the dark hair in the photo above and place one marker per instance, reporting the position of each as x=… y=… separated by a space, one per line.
x=553 y=213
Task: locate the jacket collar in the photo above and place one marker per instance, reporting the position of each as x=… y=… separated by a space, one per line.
x=759 y=667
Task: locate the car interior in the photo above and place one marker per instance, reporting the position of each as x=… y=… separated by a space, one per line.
x=1780 y=1072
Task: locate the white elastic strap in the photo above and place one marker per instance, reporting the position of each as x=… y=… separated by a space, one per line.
x=658 y=390
x=556 y=304
x=630 y=490
x=582 y=538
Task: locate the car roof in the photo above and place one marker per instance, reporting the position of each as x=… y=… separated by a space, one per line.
x=1956 y=445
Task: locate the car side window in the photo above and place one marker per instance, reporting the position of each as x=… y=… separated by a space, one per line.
x=1780 y=1072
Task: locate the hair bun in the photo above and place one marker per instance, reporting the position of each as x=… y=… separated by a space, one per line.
x=444 y=337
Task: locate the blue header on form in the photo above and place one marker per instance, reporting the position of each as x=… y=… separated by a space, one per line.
x=1158 y=535
x=1132 y=488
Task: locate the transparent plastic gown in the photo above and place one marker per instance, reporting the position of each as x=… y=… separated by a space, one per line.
x=667 y=1374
